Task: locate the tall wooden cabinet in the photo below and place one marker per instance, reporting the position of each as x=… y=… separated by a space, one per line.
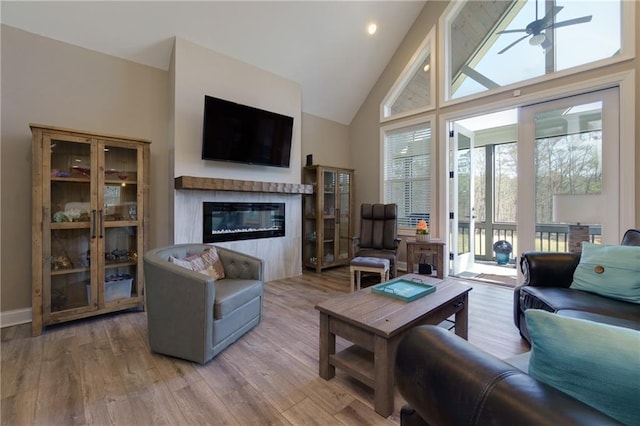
x=90 y=195
x=327 y=217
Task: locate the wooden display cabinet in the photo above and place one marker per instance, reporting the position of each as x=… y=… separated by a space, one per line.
x=327 y=217
x=90 y=195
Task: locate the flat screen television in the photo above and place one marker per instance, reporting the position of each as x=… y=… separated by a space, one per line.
x=243 y=134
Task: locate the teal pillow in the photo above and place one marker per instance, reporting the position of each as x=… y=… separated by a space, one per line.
x=610 y=271
x=596 y=363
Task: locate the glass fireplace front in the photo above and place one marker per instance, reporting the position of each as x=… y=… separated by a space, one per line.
x=242 y=221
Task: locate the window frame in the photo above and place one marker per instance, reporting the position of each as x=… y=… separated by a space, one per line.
x=427 y=47
x=627 y=52
x=429 y=120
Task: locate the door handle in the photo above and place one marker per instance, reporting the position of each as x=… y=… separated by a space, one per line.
x=93 y=223
x=101 y=224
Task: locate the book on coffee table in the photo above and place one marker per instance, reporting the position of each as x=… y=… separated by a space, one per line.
x=403 y=289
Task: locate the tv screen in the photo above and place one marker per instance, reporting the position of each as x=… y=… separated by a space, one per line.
x=244 y=134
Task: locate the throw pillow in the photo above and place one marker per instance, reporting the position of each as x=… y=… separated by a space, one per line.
x=598 y=364
x=610 y=271
x=208 y=263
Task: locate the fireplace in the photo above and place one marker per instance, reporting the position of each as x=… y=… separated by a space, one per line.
x=242 y=221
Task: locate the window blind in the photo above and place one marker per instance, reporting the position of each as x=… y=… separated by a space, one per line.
x=407 y=172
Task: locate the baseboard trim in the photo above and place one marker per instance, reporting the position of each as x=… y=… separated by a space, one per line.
x=15 y=317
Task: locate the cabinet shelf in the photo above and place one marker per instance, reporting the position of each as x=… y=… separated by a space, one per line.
x=68 y=271
x=120 y=182
x=71 y=225
x=113 y=265
x=119 y=223
x=70 y=179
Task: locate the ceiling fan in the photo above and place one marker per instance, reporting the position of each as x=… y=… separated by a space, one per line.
x=535 y=28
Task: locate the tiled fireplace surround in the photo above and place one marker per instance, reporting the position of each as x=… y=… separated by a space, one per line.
x=282 y=255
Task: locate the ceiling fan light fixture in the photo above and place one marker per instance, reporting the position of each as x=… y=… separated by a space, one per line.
x=537 y=40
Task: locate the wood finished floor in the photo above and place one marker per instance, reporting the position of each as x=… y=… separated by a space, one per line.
x=100 y=371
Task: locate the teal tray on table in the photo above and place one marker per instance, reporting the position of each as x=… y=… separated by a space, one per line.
x=403 y=289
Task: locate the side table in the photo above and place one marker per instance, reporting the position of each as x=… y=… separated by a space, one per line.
x=433 y=249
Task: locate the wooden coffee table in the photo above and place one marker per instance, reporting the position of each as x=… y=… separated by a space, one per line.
x=375 y=324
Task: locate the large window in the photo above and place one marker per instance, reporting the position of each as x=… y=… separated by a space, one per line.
x=413 y=91
x=492 y=44
x=407 y=171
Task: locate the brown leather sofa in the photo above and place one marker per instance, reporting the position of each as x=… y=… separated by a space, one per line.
x=447 y=381
x=547 y=277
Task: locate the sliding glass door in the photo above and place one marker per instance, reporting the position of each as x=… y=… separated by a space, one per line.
x=569 y=154
x=549 y=180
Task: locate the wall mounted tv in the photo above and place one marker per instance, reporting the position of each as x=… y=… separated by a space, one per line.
x=243 y=134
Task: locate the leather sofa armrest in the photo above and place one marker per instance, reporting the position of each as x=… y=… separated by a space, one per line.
x=179 y=306
x=448 y=381
x=548 y=269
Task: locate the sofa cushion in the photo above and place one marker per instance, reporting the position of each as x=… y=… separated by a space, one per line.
x=208 y=263
x=553 y=299
x=595 y=363
x=231 y=293
x=610 y=271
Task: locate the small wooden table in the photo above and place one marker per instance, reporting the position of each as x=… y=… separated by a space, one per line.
x=376 y=323
x=433 y=249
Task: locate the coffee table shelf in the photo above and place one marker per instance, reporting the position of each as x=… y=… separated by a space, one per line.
x=356 y=362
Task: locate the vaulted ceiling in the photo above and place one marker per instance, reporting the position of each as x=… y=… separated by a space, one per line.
x=323 y=46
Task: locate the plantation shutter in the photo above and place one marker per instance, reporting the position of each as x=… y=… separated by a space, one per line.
x=407 y=172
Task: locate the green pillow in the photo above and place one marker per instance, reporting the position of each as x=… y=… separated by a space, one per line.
x=610 y=271
x=596 y=363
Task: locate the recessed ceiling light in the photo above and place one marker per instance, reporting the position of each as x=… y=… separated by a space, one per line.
x=372 y=28
x=426 y=68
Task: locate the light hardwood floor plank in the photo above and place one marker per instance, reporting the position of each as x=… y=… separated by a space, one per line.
x=100 y=371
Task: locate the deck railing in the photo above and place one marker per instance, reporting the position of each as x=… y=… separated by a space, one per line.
x=549 y=237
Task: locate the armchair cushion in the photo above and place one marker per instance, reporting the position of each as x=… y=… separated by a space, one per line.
x=231 y=297
x=208 y=263
x=610 y=271
x=577 y=357
x=378 y=226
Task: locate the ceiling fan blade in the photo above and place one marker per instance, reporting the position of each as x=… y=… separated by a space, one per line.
x=513 y=44
x=570 y=22
x=522 y=30
x=548 y=18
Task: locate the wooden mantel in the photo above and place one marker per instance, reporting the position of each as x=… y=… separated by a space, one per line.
x=215 y=184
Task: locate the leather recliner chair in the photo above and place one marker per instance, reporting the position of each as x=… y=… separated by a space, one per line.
x=378 y=234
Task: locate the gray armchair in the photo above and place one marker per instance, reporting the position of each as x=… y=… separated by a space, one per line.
x=192 y=316
x=378 y=234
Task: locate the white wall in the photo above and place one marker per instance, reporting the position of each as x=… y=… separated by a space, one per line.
x=197 y=72
x=54 y=83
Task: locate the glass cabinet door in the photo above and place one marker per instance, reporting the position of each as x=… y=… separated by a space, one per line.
x=343 y=214
x=120 y=219
x=329 y=213
x=310 y=236
x=69 y=224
